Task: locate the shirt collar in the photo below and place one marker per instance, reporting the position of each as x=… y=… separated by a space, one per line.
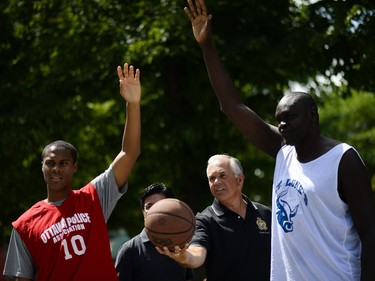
x=220 y=209
x=143 y=235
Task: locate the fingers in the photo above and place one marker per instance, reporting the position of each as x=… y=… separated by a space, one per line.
x=169 y=252
x=187 y=12
x=198 y=6
x=176 y=251
x=159 y=250
x=163 y=251
x=192 y=8
x=128 y=72
x=195 y=10
x=137 y=74
x=119 y=73
x=202 y=7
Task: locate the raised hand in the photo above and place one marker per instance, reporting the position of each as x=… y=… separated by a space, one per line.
x=200 y=21
x=130 y=85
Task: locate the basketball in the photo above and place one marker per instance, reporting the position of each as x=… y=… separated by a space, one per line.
x=170 y=222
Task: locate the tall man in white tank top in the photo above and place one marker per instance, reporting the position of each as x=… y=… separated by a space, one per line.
x=323 y=222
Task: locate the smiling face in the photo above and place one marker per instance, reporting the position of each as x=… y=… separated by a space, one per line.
x=224 y=184
x=58 y=169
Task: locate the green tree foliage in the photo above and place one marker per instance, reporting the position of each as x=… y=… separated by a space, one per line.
x=58 y=81
x=352 y=120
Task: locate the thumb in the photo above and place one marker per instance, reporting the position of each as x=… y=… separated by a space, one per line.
x=208 y=23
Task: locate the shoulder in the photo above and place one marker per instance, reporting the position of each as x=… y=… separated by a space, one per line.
x=349 y=157
x=349 y=152
x=264 y=211
x=129 y=245
x=350 y=162
x=87 y=189
x=207 y=217
x=262 y=207
x=133 y=242
x=107 y=174
x=210 y=212
x=326 y=145
x=34 y=211
x=256 y=205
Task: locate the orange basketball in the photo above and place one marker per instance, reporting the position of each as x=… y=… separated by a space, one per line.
x=170 y=222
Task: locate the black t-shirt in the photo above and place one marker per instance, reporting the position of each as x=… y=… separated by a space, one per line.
x=237 y=249
x=138 y=260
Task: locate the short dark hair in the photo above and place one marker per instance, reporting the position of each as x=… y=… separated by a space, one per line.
x=64 y=144
x=306 y=98
x=155 y=188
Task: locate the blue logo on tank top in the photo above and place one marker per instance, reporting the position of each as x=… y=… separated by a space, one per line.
x=285 y=212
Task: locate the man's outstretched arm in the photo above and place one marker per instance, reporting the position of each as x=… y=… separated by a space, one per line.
x=130 y=90
x=261 y=134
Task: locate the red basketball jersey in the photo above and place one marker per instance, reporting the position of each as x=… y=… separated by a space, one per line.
x=68 y=242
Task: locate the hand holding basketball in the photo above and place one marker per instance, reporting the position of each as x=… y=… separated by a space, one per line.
x=170 y=222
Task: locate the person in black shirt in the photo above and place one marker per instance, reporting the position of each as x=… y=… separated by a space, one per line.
x=232 y=237
x=138 y=260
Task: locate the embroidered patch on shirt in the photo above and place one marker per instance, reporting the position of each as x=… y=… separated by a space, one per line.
x=262 y=225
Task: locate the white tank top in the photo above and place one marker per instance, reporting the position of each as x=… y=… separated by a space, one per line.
x=313 y=237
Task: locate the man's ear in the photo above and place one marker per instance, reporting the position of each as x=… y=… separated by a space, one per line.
x=75 y=168
x=241 y=178
x=314 y=113
x=144 y=214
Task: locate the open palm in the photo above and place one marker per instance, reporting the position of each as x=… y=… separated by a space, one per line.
x=130 y=85
x=199 y=20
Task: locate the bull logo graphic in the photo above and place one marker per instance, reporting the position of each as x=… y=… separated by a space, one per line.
x=285 y=213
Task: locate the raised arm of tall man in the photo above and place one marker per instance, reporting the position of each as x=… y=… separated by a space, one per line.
x=263 y=135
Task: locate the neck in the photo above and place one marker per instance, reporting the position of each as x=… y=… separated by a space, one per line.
x=55 y=197
x=314 y=149
x=239 y=207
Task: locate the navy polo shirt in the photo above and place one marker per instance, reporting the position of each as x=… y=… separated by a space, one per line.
x=138 y=260
x=237 y=249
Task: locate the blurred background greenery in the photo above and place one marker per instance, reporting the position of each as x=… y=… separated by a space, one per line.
x=58 y=81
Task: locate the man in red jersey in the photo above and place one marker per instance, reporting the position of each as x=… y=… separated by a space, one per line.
x=64 y=237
